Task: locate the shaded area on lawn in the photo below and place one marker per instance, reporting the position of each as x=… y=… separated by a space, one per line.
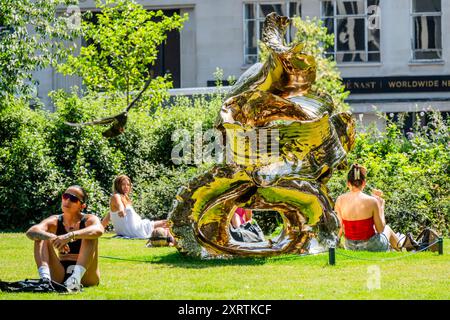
x=163 y=274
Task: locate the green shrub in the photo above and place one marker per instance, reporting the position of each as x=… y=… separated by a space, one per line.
x=29 y=178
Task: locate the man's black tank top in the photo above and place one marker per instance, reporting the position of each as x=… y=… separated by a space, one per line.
x=76 y=245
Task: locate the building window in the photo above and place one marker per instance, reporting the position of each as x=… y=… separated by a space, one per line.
x=427 y=33
x=254 y=15
x=356 y=26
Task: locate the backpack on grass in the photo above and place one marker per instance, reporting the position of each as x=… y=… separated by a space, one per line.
x=33 y=285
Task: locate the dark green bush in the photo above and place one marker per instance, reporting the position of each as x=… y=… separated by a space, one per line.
x=156 y=178
x=29 y=179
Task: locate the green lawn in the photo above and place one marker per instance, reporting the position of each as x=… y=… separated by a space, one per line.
x=161 y=273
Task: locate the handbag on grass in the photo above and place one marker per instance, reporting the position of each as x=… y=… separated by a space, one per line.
x=425 y=239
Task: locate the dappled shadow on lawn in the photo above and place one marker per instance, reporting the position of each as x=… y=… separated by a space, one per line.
x=178 y=260
x=175 y=259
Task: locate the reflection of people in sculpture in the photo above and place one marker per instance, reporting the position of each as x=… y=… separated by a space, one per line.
x=243 y=228
x=362 y=216
x=241 y=216
x=124 y=218
x=75 y=236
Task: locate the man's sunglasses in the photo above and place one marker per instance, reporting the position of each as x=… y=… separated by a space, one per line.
x=71 y=197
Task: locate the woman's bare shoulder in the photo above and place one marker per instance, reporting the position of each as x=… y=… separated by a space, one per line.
x=116 y=197
x=370 y=199
x=341 y=197
x=115 y=200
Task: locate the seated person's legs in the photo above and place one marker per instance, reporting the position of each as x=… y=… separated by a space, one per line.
x=164 y=224
x=392 y=237
x=88 y=260
x=47 y=261
x=235 y=221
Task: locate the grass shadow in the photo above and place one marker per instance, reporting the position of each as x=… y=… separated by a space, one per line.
x=177 y=260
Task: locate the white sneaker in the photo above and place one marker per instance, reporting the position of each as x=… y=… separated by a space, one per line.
x=73 y=285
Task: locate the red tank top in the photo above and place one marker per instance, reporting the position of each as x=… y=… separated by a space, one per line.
x=241 y=213
x=359 y=229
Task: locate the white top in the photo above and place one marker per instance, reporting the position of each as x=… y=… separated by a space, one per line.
x=132 y=225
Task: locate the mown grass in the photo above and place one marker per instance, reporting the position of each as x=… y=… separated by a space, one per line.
x=162 y=273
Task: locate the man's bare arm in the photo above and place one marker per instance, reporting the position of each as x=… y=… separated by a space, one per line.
x=93 y=230
x=40 y=230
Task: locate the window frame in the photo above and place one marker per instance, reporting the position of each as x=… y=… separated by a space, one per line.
x=285 y=6
x=412 y=16
x=366 y=51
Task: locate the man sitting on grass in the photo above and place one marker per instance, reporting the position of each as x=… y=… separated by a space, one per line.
x=66 y=245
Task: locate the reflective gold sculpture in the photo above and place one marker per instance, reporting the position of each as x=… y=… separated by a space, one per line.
x=282 y=146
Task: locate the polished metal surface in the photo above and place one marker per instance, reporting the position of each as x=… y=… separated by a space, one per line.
x=282 y=145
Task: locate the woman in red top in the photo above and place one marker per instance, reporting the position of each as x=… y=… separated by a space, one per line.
x=362 y=216
x=241 y=216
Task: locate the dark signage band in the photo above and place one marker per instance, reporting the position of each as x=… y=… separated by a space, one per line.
x=397 y=84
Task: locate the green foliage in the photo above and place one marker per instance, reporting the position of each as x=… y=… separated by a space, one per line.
x=186 y=113
x=31 y=37
x=40 y=155
x=29 y=179
x=414 y=173
x=156 y=178
x=123 y=45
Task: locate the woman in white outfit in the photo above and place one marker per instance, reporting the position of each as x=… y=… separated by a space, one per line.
x=124 y=218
